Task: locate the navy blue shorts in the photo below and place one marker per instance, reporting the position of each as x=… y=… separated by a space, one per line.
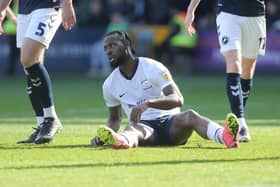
x=161 y=128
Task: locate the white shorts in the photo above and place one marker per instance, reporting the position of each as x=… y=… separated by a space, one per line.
x=247 y=34
x=40 y=25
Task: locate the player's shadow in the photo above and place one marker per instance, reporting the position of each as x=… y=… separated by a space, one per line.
x=45 y=146
x=134 y=164
x=51 y=146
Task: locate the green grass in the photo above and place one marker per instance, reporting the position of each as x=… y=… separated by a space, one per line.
x=70 y=161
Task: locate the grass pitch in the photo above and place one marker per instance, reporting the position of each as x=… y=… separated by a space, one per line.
x=70 y=161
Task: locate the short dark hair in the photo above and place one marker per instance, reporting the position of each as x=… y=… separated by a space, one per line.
x=125 y=38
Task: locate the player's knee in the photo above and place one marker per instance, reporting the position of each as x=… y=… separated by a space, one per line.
x=26 y=61
x=191 y=117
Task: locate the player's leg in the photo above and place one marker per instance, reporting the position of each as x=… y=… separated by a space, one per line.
x=132 y=135
x=22 y=25
x=230 y=36
x=253 y=44
x=248 y=70
x=184 y=123
x=41 y=29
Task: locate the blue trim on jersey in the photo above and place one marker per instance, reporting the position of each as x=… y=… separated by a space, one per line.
x=247 y=8
x=27 y=6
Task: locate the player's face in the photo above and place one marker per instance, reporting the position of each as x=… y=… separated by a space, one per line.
x=115 y=49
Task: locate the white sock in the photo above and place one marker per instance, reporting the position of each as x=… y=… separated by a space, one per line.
x=50 y=112
x=125 y=137
x=214 y=132
x=40 y=119
x=242 y=123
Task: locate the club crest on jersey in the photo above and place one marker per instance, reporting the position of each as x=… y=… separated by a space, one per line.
x=146 y=84
x=166 y=76
x=225 y=40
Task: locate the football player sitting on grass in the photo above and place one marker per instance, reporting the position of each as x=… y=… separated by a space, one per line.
x=146 y=92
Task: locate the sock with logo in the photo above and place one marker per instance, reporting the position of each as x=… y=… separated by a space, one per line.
x=234 y=94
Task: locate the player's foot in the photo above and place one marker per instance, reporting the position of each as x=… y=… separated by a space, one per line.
x=32 y=137
x=230 y=132
x=48 y=129
x=244 y=135
x=110 y=137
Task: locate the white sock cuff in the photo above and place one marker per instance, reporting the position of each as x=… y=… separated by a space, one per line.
x=214 y=132
x=40 y=119
x=242 y=123
x=50 y=112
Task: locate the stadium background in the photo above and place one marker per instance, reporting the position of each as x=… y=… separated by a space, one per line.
x=148 y=21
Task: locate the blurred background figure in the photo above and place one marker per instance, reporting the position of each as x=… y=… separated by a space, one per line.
x=99 y=63
x=155 y=29
x=93 y=14
x=9 y=27
x=179 y=48
x=273 y=14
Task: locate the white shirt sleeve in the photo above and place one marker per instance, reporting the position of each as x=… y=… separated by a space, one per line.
x=109 y=98
x=161 y=76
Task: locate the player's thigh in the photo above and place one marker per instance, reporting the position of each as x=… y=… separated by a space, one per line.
x=254 y=37
x=229 y=32
x=179 y=131
x=31 y=52
x=43 y=25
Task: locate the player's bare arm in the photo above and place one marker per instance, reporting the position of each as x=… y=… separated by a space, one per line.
x=3 y=6
x=68 y=15
x=190 y=15
x=114 y=120
x=172 y=98
x=11 y=15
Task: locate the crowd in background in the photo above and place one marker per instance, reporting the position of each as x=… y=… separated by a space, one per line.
x=108 y=15
x=176 y=47
x=98 y=13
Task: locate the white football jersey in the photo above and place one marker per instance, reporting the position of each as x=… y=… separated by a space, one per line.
x=147 y=83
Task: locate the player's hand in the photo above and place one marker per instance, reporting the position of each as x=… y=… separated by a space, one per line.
x=68 y=16
x=96 y=141
x=189 y=23
x=137 y=111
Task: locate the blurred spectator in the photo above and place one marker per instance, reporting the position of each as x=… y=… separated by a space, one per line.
x=93 y=14
x=135 y=11
x=9 y=27
x=98 y=16
x=273 y=14
x=99 y=64
x=179 y=47
x=157 y=12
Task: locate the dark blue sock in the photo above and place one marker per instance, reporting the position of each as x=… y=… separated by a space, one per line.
x=34 y=99
x=246 y=85
x=41 y=83
x=234 y=94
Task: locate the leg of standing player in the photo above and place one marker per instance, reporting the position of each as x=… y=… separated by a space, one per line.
x=253 y=44
x=38 y=30
x=230 y=36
